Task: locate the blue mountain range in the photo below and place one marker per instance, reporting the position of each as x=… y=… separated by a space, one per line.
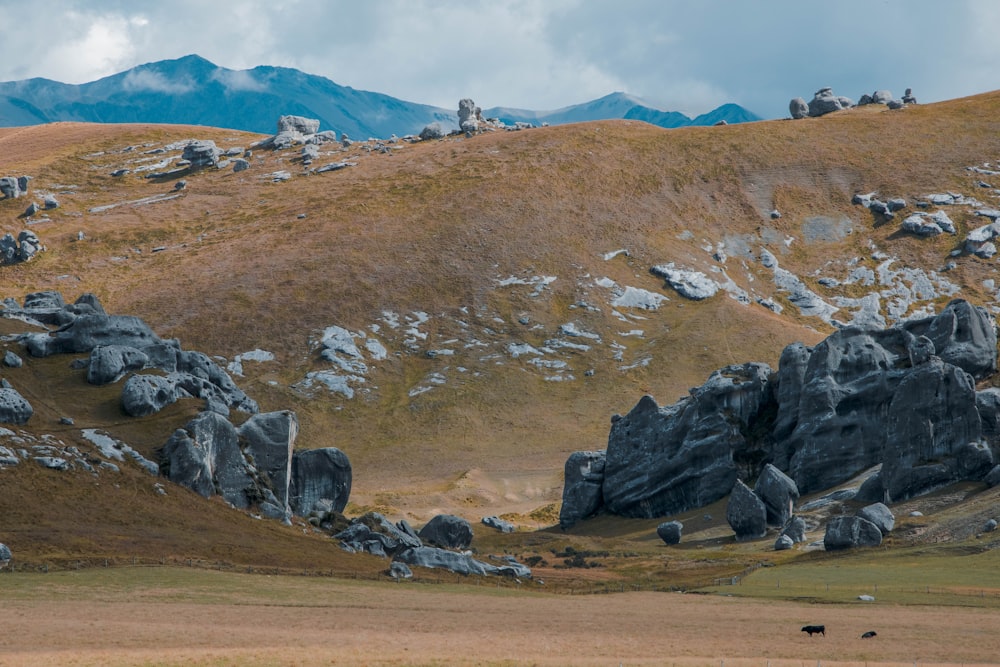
x=194 y=91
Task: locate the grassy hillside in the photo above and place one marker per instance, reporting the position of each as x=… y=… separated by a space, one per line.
x=238 y=262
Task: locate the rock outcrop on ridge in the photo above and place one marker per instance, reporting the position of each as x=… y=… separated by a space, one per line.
x=904 y=397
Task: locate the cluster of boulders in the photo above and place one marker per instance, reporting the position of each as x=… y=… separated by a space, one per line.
x=470 y=122
x=253 y=466
x=441 y=543
x=828 y=413
x=866 y=528
x=12 y=187
x=824 y=102
x=297 y=131
x=20 y=249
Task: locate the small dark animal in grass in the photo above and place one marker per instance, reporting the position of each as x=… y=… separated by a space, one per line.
x=869 y=634
x=814 y=629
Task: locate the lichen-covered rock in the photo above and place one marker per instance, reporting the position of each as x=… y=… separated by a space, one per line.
x=746 y=513
x=670 y=532
x=848 y=532
x=583 y=480
x=320 y=476
x=448 y=531
x=880 y=515
x=779 y=492
x=14 y=408
x=661 y=461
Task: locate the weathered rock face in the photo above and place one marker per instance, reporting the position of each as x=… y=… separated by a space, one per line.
x=833 y=415
x=931 y=419
x=14 y=408
x=666 y=460
x=319 y=477
x=448 y=531
x=201 y=153
x=670 y=532
x=432 y=557
x=268 y=440
x=847 y=532
x=373 y=533
x=584 y=478
x=88 y=331
x=144 y=395
x=468 y=116
x=880 y=515
x=205 y=457
x=109 y=363
x=746 y=513
x=779 y=492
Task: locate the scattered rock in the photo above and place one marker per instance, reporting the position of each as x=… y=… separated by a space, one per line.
x=746 y=513
x=11 y=360
x=448 y=531
x=990 y=526
x=499 y=524
x=783 y=543
x=880 y=515
x=690 y=284
x=201 y=153
x=848 y=532
x=240 y=164
x=432 y=131
x=670 y=532
x=14 y=408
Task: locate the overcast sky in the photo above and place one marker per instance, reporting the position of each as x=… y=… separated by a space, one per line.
x=688 y=56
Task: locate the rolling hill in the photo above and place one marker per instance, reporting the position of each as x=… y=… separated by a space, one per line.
x=458 y=257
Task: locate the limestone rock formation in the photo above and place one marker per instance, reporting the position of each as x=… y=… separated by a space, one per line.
x=5 y=555
x=824 y=102
x=779 y=492
x=20 y=249
x=499 y=524
x=374 y=534
x=880 y=515
x=746 y=513
x=320 y=478
x=145 y=394
x=795 y=529
x=448 y=531
x=469 y=116
x=14 y=408
x=798 y=108
x=662 y=461
x=670 y=532
x=109 y=363
x=583 y=480
x=268 y=441
x=847 y=532
x=201 y=153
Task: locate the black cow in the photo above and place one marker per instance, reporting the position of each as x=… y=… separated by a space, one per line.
x=814 y=629
x=869 y=634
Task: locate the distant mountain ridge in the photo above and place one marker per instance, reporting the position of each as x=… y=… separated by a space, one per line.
x=193 y=91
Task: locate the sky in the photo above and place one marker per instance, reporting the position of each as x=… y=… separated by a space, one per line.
x=689 y=56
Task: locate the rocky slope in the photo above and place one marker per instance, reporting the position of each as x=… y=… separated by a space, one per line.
x=460 y=315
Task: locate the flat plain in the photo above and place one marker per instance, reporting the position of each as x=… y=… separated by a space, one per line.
x=175 y=616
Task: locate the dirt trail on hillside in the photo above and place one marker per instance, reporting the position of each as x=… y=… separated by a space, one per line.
x=411 y=624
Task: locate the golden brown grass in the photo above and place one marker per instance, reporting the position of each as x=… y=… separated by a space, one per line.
x=431 y=228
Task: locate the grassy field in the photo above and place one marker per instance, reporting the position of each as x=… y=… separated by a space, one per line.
x=179 y=616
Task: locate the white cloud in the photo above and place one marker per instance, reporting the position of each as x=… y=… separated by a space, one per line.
x=239 y=80
x=144 y=79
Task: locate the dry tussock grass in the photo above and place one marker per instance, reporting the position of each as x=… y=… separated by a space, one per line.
x=431 y=227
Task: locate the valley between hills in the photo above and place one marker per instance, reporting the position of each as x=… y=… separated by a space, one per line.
x=506 y=279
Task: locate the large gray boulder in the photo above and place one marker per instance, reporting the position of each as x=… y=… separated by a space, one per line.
x=299 y=124
x=583 y=480
x=91 y=330
x=20 y=249
x=779 y=492
x=448 y=531
x=795 y=529
x=746 y=513
x=268 y=441
x=433 y=557
x=109 y=363
x=963 y=335
x=205 y=457
x=5 y=555
x=10 y=188
x=146 y=394
x=798 y=108
x=848 y=532
x=432 y=131
x=824 y=102
x=670 y=532
x=373 y=533
x=320 y=477
x=14 y=408
x=201 y=153
x=468 y=116
x=880 y=515
x=663 y=461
